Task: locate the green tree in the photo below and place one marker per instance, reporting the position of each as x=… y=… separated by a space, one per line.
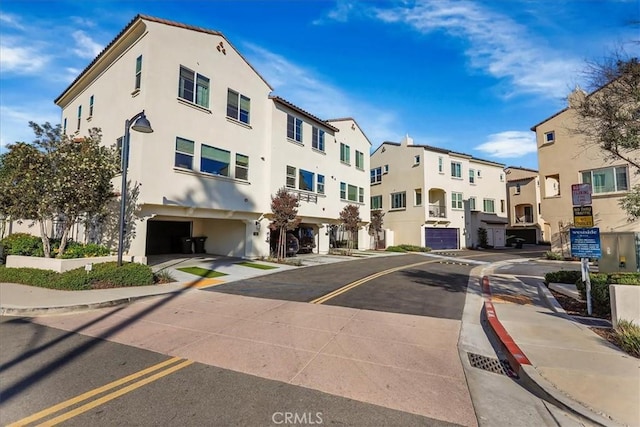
x=375 y=226
x=350 y=220
x=284 y=207
x=609 y=117
x=56 y=178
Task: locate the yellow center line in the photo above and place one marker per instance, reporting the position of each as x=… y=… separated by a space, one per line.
x=88 y=406
x=84 y=396
x=349 y=286
x=359 y=282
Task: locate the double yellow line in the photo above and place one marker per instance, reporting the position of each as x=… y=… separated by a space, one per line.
x=359 y=282
x=171 y=366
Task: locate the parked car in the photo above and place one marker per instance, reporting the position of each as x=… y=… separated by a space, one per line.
x=292 y=245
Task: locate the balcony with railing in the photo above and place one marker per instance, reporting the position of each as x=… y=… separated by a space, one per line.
x=304 y=196
x=523 y=215
x=437 y=211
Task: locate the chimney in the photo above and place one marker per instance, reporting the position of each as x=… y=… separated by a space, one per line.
x=407 y=140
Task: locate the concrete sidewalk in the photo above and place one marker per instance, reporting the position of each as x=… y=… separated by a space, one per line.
x=569 y=363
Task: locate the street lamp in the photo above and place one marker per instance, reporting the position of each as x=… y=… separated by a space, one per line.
x=140 y=124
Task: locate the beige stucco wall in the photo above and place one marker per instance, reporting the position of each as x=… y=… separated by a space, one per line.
x=568 y=157
x=408 y=224
x=178 y=193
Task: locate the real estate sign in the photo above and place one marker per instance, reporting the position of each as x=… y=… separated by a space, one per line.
x=585 y=242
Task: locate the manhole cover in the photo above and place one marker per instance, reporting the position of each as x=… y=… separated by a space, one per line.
x=491 y=364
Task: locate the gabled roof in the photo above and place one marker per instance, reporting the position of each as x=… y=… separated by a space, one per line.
x=346 y=119
x=131 y=24
x=443 y=151
x=305 y=113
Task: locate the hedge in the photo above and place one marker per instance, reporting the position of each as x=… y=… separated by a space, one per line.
x=30 y=245
x=102 y=275
x=600 y=288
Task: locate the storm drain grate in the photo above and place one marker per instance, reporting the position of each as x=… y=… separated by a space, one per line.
x=491 y=364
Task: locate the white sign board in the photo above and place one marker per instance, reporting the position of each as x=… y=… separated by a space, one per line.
x=581 y=194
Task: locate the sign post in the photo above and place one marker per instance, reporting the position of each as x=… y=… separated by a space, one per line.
x=585 y=242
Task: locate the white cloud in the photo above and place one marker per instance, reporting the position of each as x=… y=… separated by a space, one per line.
x=340 y=13
x=497 y=44
x=509 y=144
x=86 y=47
x=18 y=58
x=12 y=21
x=14 y=120
x=306 y=90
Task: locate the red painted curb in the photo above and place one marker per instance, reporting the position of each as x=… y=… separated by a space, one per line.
x=515 y=355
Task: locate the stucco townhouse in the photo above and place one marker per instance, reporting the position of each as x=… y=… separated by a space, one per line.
x=524 y=205
x=222 y=142
x=564 y=159
x=436 y=197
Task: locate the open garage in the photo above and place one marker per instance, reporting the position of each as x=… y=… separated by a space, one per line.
x=164 y=237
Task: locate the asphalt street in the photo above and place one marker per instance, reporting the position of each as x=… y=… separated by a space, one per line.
x=42 y=367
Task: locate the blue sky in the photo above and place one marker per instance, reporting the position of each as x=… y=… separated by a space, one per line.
x=470 y=76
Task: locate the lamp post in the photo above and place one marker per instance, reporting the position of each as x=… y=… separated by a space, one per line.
x=140 y=124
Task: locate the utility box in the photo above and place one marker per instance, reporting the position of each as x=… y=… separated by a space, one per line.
x=620 y=252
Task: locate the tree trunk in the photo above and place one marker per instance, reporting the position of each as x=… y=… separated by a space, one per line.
x=46 y=246
x=282 y=245
x=65 y=237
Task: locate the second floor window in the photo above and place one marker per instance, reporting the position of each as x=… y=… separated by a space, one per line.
x=242 y=167
x=359 y=160
x=291 y=177
x=214 y=160
x=91 y=106
x=320 y=184
x=456 y=201
x=345 y=153
x=317 y=139
x=79 y=117
x=417 y=193
x=607 y=180
x=456 y=169
x=294 y=128
x=184 y=153
x=193 y=87
x=399 y=200
x=305 y=180
x=376 y=175
x=376 y=202
x=489 y=206
x=472 y=203
x=440 y=165
x=238 y=106
x=472 y=176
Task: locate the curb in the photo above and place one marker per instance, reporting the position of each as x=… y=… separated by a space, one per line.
x=528 y=375
x=40 y=311
x=550 y=300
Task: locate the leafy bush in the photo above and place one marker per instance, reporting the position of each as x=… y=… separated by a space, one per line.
x=627 y=336
x=21 y=244
x=553 y=255
x=563 y=276
x=395 y=249
x=164 y=276
x=29 y=245
x=104 y=275
x=414 y=248
x=600 y=288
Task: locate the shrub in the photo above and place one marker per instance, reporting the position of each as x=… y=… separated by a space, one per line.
x=414 y=248
x=104 y=275
x=163 y=276
x=563 y=276
x=395 y=249
x=21 y=244
x=600 y=288
x=553 y=255
x=627 y=336
x=77 y=250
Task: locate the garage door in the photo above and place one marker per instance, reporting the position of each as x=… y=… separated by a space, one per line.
x=442 y=238
x=163 y=237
